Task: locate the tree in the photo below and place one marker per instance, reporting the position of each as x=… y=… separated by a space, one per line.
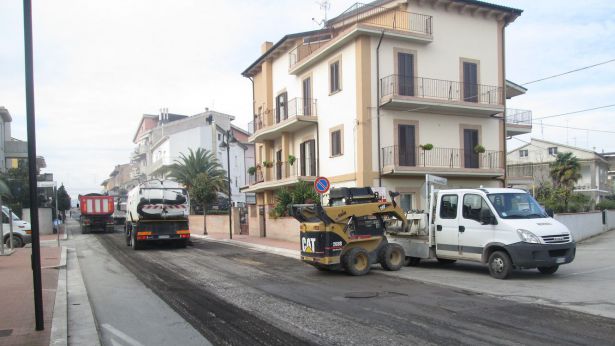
x=564 y=172
x=203 y=168
x=63 y=201
x=301 y=193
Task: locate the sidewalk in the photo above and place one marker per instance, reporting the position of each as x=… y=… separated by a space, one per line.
x=17 y=322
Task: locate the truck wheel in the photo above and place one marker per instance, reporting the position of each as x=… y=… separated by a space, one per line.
x=17 y=241
x=135 y=244
x=446 y=261
x=392 y=257
x=548 y=270
x=412 y=261
x=356 y=261
x=500 y=265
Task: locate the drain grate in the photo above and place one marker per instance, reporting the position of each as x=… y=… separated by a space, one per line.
x=5 y=332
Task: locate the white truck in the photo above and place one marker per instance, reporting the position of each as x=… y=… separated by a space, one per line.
x=157 y=210
x=501 y=227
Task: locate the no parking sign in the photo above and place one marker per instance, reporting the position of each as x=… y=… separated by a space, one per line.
x=322 y=185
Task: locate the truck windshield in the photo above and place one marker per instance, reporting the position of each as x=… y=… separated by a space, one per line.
x=516 y=206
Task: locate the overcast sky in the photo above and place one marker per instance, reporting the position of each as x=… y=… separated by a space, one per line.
x=99 y=65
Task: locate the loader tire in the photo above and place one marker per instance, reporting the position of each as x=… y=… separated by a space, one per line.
x=392 y=257
x=356 y=261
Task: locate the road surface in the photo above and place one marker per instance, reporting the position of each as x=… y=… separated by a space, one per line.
x=232 y=295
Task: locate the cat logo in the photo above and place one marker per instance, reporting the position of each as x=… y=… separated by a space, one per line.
x=307 y=244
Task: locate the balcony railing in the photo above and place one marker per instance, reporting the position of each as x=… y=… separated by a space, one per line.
x=440 y=158
x=386 y=18
x=519 y=116
x=399 y=85
x=381 y=17
x=293 y=108
x=283 y=170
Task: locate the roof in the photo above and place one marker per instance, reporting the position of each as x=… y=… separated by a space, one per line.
x=513 y=89
x=248 y=73
x=143 y=117
x=356 y=8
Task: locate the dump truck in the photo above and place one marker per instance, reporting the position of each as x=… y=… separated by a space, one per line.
x=96 y=212
x=157 y=211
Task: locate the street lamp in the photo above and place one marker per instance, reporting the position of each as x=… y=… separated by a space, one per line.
x=227 y=139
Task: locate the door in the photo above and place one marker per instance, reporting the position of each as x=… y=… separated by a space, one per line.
x=473 y=236
x=405 y=69
x=470 y=141
x=447 y=226
x=406 y=145
x=307 y=151
x=470 y=82
x=281 y=108
x=262 y=230
x=307 y=96
x=406 y=201
x=278 y=164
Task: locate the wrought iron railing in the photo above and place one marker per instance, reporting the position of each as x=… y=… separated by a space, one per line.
x=399 y=156
x=399 y=85
x=281 y=170
x=294 y=107
x=518 y=116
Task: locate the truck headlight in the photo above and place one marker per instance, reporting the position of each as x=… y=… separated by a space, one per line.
x=527 y=236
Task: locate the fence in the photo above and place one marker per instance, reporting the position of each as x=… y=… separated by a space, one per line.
x=587 y=225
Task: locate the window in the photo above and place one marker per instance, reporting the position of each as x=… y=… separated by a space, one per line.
x=307 y=151
x=281 y=107
x=307 y=96
x=474 y=206
x=470 y=82
x=552 y=150
x=405 y=201
x=336 y=142
x=523 y=153
x=219 y=136
x=448 y=207
x=334 y=77
x=366 y=225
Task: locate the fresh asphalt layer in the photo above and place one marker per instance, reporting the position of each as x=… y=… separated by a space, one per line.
x=233 y=295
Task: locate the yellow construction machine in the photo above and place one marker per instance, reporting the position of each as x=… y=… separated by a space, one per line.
x=349 y=233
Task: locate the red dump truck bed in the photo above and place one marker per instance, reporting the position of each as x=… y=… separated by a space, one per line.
x=96 y=205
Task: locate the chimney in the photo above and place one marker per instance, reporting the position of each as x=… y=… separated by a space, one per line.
x=265 y=46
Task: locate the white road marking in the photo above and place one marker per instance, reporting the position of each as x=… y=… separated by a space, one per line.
x=127 y=339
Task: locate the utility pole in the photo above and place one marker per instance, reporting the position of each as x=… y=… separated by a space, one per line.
x=36 y=245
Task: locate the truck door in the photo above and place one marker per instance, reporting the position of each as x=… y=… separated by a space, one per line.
x=447 y=226
x=472 y=234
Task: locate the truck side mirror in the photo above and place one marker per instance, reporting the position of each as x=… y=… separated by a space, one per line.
x=487 y=217
x=549 y=212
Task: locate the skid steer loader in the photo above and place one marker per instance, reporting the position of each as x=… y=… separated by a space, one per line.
x=349 y=233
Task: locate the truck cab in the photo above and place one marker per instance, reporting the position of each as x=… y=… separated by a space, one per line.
x=501 y=227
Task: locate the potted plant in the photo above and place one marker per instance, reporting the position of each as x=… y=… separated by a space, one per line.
x=291 y=159
x=427 y=146
x=252 y=170
x=267 y=164
x=479 y=149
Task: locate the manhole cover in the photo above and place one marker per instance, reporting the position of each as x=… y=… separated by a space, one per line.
x=361 y=295
x=5 y=332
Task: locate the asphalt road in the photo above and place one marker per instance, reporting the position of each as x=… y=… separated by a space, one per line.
x=232 y=295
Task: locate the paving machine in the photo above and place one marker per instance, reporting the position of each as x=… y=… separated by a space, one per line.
x=349 y=233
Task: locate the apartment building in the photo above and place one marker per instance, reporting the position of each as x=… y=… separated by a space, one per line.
x=383 y=94
x=162 y=139
x=528 y=167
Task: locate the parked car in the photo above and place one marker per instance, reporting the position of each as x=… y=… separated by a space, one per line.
x=22 y=231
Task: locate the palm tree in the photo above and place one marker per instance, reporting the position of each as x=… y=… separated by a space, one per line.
x=204 y=165
x=564 y=172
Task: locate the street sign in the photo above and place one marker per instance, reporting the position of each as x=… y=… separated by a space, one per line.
x=322 y=185
x=436 y=179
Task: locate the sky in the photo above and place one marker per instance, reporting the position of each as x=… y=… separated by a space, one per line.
x=100 y=64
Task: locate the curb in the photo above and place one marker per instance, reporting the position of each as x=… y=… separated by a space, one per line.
x=258 y=247
x=59 y=323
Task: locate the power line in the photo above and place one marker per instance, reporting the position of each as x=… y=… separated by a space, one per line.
x=575 y=112
x=572 y=128
x=568 y=72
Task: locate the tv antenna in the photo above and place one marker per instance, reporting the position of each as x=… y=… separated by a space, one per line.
x=325 y=5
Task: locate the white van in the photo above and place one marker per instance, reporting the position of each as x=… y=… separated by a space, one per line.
x=22 y=231
x=503 y=228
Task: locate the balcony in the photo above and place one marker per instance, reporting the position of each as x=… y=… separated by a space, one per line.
x=298 y=113
x=361 y=19
x=398 y=160
x=440 y=96
x=518 y=122
x=281 y=174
